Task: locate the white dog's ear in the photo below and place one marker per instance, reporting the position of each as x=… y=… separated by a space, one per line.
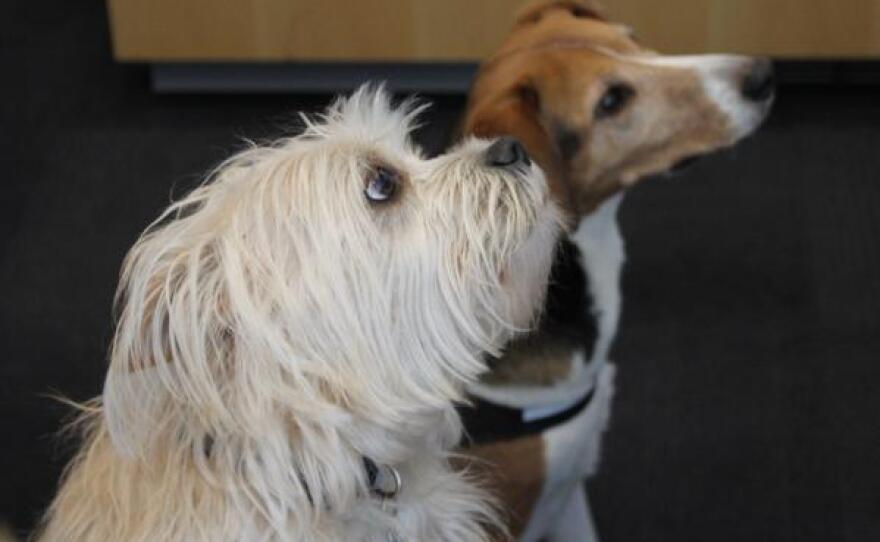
x=132 y=403
x=173 y=341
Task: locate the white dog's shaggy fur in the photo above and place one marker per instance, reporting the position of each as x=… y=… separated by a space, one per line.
x=276 y=328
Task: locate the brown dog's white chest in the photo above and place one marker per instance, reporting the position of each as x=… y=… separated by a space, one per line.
x=601 y=244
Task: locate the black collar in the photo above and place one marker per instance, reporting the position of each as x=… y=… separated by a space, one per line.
x=486 y=422
x=383 y=480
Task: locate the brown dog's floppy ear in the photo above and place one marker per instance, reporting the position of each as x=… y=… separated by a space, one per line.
x=513 y=113
x=518 y=113
x=582 y=9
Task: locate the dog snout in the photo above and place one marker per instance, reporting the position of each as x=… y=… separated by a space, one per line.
x=507 y=152
x=759 y=84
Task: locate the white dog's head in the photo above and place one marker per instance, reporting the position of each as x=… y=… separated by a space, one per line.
x=331 y=279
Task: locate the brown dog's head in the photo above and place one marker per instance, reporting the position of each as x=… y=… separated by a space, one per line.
x=599 y=111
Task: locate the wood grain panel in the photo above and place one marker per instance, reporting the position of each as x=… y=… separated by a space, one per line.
x=465 y=30
x=669 y=25
x=782 y=28
x=792 y=28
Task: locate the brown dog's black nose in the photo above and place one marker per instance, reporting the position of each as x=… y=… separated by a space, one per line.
x=760 y=83
x=507 y=151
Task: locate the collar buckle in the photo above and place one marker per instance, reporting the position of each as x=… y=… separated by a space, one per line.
x=384 y=481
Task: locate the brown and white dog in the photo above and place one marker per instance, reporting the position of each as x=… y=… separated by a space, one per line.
x=599 y=112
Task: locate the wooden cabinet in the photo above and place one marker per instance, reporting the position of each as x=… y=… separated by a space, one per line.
x=275 y=30
x=780 y=28
x=467 y=30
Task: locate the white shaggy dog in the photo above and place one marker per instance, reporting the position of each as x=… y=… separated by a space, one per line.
x=293 y=334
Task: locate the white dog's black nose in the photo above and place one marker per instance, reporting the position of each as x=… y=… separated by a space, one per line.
x=760 y=83
x=507 y=151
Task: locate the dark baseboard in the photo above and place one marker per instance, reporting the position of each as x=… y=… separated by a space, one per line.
x=433 y=78
x=829 y=72
x=429 y=78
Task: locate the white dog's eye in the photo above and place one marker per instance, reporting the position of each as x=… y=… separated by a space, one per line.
x=382 y=185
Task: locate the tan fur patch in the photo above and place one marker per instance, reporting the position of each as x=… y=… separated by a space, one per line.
x=534 y=362
x=514 y=471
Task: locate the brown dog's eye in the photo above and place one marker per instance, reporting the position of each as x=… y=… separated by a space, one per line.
x=382 y=185
x=614 y=100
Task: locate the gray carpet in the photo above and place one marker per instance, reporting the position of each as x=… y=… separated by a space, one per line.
x=749 y=352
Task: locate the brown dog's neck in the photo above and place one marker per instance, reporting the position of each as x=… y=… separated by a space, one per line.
x=588 y=203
